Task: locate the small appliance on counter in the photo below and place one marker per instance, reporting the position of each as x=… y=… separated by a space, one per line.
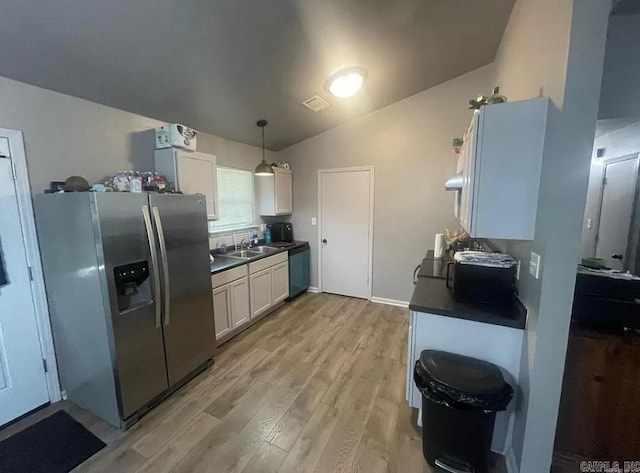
x=482 y=277
x=282 y=232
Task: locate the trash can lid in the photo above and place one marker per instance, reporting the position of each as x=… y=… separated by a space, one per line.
x=462 y=373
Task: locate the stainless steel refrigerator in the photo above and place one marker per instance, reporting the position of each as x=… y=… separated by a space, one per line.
x=129 y=288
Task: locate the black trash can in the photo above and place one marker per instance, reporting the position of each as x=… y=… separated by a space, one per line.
x=460 y=398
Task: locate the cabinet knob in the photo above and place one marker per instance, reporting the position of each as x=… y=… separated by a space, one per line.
x=619 y=257
x=324 y=241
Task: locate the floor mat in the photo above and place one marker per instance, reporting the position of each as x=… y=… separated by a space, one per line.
x=56 y=444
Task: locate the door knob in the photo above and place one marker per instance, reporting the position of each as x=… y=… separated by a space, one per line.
x=617 y=257
x=324 y=241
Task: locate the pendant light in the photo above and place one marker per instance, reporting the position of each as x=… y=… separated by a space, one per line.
x=263 y=169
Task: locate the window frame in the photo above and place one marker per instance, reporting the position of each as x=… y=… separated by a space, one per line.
x=235 y=228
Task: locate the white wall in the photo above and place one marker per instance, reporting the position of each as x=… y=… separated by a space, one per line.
x=620 y=97
x=67 y=136
x=552 y=48
x=409 y=143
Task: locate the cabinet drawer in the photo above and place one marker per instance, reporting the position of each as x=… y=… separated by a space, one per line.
x=268 y=262
x=228 y=276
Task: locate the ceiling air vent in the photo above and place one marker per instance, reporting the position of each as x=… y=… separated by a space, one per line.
x=315 y=103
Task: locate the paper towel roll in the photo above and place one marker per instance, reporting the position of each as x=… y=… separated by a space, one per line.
x=439 y=245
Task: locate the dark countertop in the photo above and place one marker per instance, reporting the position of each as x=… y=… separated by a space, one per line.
x=296 y=244
x=432 y=267
x=222 y=262
x=432 y=296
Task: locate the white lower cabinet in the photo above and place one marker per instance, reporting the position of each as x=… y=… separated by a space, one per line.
x=230 y=300
x=280 y=282
x=247 y=292
x=261 y=293
x=222 y=310
x=240 y=310
x=268 y=283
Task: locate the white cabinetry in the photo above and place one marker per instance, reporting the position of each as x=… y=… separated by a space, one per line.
x=191 y=173
x=240 y=311
x=500 y=162
x=275 y=193
x=268 y=283
x=280 y=282
x=261 y=297
x=230 y=301
x=222 y=310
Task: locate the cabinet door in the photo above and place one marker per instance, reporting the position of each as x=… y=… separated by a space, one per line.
x=240 y=310
x=468 y=158
x=197 y=174
x=280 y=281
x=260 y=290
x=283 y=191
x=222 y=310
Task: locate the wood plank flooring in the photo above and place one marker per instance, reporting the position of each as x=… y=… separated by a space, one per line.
x=317 y=386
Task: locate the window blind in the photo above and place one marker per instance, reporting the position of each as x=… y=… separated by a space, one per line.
x=235 y=200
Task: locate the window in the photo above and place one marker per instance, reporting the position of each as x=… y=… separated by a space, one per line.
x=235 y=200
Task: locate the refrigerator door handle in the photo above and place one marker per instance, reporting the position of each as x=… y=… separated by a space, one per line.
x=154 y=263
x=165 y=266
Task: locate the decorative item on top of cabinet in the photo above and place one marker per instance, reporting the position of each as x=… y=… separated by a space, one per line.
x=275 y=193
x=191 y=173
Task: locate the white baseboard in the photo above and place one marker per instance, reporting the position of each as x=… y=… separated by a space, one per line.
x=313 y=289
x=382 y=300
x=510 y=461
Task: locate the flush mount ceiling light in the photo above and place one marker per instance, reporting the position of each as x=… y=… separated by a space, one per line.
x=347 y=82
x=263 y=169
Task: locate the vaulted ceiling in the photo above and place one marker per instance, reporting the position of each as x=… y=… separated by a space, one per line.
x=220 y=65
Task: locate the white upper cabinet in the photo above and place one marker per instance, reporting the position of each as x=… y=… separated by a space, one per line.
x=500 y=164
x=192 y=173
x=275 y=193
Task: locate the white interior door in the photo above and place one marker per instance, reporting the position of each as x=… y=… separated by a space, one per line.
x=345 y=219
x=615 y=211
x=23 y=385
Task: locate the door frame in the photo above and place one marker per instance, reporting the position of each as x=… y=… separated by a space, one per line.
x=28 y=226
x=321 y=172
x=634 y=207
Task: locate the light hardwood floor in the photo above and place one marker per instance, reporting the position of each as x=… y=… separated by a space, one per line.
x=317 y=386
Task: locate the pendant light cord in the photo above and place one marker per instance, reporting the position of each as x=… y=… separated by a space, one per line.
x=263 y=145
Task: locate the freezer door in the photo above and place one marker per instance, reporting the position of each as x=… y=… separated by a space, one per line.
x=189 y=332
x=123 y=246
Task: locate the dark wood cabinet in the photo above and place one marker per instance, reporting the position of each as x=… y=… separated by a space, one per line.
x=599 y=416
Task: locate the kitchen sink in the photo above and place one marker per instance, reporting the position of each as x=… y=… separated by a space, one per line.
x=252 y=252
x=244 y=254
x=264 y=250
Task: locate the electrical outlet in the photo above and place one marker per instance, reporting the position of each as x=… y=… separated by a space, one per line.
x=535 y=265
x=588 y=224
x=313 y=221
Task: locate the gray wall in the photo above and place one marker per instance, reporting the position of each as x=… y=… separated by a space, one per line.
x=409 y=143
x=65 y=136
x=552 y=48
x=620 y=97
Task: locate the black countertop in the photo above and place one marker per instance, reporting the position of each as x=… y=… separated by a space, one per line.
x=432 y=296
x=222 y=262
